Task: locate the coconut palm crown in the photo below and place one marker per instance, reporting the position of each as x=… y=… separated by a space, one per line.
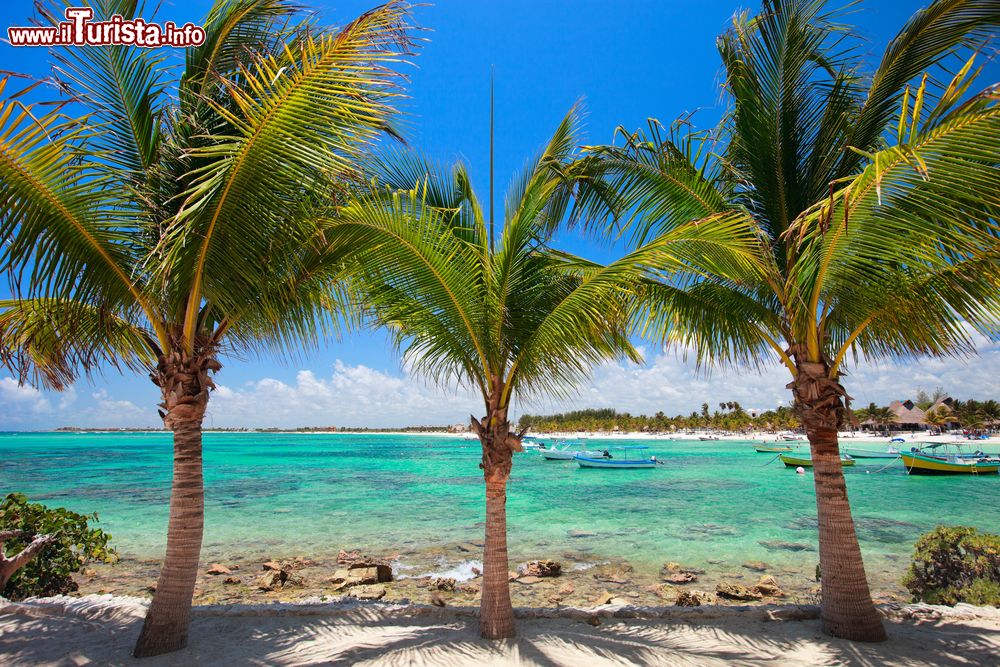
x=875 y=197
x=512 y=319
x=179 y=217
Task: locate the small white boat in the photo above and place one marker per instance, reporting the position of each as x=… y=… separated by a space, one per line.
x=628 y=460
x=532 y=443
x=792 y=438
x=706 y=438
x=569 y=454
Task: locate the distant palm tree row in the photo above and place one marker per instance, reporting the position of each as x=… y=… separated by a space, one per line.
x=730 y=416
x=833 y=212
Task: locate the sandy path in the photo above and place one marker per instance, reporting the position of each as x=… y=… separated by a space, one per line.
x=100 y=630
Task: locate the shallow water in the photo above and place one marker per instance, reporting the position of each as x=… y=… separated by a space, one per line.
x=714 y=505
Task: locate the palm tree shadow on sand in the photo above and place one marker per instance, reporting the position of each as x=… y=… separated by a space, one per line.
x=296 y=635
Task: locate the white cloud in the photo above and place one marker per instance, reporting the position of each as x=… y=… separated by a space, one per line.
x=358 y=395
x=672 y=384
x=67 y=398
x=24 y=407
x=349 y=396
x=21 y=404
x=108 y=411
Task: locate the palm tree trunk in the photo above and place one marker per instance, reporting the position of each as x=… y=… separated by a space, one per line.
x=496 y=615
x=846 y=609
x=185 y=384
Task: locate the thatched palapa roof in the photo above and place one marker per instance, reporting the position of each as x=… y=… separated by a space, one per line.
x=907 y=412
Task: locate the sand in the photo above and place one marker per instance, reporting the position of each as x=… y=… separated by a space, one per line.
x=847 y=439
x=100 y=630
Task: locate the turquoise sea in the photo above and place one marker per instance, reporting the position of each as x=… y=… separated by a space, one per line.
x=292 y=494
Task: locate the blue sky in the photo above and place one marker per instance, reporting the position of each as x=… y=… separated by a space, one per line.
x=628 y=60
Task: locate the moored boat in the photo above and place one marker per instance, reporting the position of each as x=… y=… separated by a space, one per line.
x=568 y=454
x=937 y=459
x=706 y=438
x=772 y=449
x=530 y=442
x=856 y=453
x=806 y=462
x=631 y=458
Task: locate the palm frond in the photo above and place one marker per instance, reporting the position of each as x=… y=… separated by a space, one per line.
x=922 y=210
x=122 y=86
x=791 y=75
x=420 y=281
x=928 y=312
x=661 y=178
x=60 y=220
x=236 y=33
x=540 y=195
x=304 y=117
x=444 y=188
x=50 y=341
x=674 y=260
x=928 y=38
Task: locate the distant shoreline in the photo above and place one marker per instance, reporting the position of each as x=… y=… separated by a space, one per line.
x=291 y=431
x=914 y=437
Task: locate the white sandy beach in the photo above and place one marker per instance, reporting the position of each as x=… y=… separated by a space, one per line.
x=100 y=630
x=845 y=437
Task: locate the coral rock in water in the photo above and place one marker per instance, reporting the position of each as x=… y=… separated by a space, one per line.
x=733 y=591
x=541 y=568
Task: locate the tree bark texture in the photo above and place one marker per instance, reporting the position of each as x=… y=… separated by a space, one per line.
x=185 y=383
x=496 y=615
x=847 y=610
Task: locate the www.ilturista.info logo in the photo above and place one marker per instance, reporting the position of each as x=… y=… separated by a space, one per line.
x=79 y=30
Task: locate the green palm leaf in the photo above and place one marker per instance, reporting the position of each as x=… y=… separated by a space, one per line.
x=122 y=85
x=51 y=340
x=302 y=117
x=61 y=219
x=930 y=35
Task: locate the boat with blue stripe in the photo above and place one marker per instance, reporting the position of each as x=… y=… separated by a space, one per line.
x=631 y=457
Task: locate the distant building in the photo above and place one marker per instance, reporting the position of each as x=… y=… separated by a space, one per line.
x=458 y=428
x=908 y=417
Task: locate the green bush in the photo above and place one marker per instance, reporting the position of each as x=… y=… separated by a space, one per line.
x=955 y=564
x=51 y=571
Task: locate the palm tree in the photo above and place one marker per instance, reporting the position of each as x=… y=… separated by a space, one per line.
x=866 y=413
x=874 y=194
x=511 y=318
x=885 y=418
x=179 y=219
x=990 y=412
x=937 y=418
